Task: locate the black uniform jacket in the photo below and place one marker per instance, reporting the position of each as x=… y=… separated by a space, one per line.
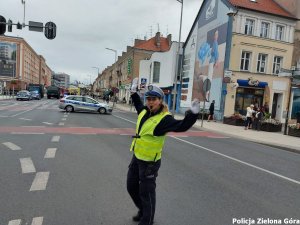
x=168 y=123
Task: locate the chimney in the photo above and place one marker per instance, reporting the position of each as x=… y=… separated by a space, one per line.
x=169 y=37
x=157 y=39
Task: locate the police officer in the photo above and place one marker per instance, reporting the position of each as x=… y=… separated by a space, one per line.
x=153 y=123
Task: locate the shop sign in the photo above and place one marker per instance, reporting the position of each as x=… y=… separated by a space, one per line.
x=253 y=82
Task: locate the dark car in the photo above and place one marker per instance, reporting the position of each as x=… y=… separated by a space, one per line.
x=35 y=95
x=24 y=95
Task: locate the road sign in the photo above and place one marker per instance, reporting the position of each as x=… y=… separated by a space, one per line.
x=50 y=30
x=35 y=26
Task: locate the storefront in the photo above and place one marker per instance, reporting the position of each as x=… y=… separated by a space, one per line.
x=249 y=93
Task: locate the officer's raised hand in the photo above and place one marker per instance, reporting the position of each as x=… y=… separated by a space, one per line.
x=195 y=107
x=134 y=85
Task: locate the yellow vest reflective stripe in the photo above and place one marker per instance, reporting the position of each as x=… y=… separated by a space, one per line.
x=148 y=147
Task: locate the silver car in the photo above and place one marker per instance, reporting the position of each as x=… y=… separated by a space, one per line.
x=23 y=95
x=73 y=103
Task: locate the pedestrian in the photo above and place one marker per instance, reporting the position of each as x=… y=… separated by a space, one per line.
x=153 y=123
x=257 y=119
x=211 y=111
x=249 y=114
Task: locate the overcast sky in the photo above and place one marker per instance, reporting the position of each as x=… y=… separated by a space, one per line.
x=86 y=27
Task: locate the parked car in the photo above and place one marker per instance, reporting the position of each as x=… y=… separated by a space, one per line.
x=24 y=95
x=73 y=103
x=35 y=95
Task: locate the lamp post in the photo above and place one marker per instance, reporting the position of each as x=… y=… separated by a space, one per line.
x=177 y=61
x=116 y=55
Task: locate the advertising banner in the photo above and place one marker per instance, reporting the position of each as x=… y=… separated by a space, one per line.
x=8 y=55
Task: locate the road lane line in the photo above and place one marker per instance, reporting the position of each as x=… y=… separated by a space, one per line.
x=14 y=222
x=61 y=124
x=55 y=139
x=47 y=123
x=50 y=153
x=24 y=119
x=63 y=119
x=12 y=146
x=240 y=161
x=22 y=112
x=65 y=115
x=27 y=165
x=124 y=119
x=40 y=181
x=37 y=221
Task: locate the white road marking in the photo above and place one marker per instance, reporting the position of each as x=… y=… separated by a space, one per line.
x=40 y=181
x=24 y=119
x=240 y=161
x=61 y=124
x=65 y=115
x=33 y=126
x=47 y=123
x=55 y=139
x=27 y=165
x=234 y=159
x=125 y=119
x=15 y=222
x=37 y=221
x=12 y=146
x=50 y=153
x=22 y=112
x=63 y=119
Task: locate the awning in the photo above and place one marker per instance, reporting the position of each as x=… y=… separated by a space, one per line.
x=245 y=83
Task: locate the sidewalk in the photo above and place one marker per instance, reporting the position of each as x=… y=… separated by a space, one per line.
x=5 y=97
x=269 y=138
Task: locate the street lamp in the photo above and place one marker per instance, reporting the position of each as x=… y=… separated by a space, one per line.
x=116 y=55
x=177 y=60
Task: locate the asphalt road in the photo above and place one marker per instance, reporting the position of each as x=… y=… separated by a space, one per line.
x=70 y=169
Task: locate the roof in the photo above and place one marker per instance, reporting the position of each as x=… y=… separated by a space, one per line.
x=266 y=6
x=150 y=45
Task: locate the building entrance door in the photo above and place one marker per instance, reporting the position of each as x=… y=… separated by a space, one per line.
x=274 y=105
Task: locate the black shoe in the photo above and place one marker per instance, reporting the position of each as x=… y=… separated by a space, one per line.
x=138 y=216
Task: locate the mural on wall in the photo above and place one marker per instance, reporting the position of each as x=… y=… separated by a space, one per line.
x=209 y=63
x=8 y=55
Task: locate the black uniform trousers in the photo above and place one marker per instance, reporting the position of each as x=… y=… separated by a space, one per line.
x=141 y=184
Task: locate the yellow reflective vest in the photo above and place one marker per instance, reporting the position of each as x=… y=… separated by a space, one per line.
x=145 y=145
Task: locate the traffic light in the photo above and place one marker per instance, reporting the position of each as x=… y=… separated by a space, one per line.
x=19 y=26
x=9 y=26
x=50 y=30
x=2 y=25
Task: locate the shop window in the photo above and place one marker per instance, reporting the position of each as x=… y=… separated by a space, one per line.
x=245 y=61
x=261 y=63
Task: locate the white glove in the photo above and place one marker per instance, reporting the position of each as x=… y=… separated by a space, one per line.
x=195 y=107
x=134 y=85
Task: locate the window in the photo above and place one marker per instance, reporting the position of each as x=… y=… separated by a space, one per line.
x=277 y=64
x=261 y=63
x=249 y=27
x=264 y=30
x=156 y=72
x=245 y=61
x=279 y=32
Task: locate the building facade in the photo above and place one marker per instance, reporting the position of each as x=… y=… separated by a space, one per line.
x=62 y=80
x=20 y=65
x=248 y=41
x=118 y=77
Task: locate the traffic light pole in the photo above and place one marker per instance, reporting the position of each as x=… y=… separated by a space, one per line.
x=288 y=106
